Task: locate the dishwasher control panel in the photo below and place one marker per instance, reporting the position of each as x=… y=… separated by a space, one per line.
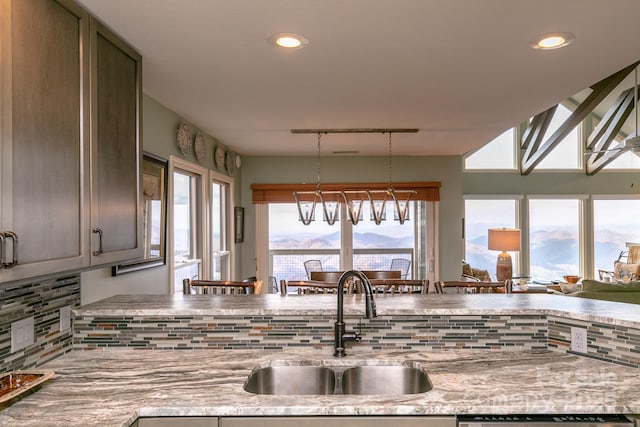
x=544 y=420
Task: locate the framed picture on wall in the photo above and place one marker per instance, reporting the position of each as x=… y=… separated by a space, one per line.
x=239 y=224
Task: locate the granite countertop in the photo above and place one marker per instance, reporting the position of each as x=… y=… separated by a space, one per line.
x=388 y=305
x=114 y=387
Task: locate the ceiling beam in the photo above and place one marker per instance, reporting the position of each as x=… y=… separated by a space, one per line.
x=534 y=153
x=603 y=136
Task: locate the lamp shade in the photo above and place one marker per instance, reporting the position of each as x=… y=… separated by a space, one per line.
x=504 y=239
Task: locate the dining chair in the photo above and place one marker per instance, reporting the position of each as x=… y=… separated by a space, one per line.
x=400 y=286
x=401 y=264
x=312 y=265
x=303 y=287
x=220 y=287
x=437 y=287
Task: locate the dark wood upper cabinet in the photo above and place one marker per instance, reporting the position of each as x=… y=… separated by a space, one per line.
x=70 y=153
x=116 y=95
x=44 y=139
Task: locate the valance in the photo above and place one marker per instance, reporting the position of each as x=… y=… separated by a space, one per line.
x=283 y=193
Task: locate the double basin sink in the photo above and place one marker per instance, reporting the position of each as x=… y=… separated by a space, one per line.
x=378 y=379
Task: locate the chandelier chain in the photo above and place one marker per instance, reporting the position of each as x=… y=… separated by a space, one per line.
x=389 y=159
x=318 y=184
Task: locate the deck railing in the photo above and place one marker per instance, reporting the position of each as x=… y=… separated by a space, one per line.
x=288 y=264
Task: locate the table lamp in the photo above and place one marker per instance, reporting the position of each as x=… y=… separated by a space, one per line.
x=504 y=239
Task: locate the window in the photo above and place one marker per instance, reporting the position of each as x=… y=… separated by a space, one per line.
x=554 y=238
x=185 y=227
x=221 y=205
x=187 y=221
x=566 y=155
x=481 y=215
x=615 y=223
x=375 y=246
x=366 y=246
x=497 y=154
x=626 y=160
x=291 y=243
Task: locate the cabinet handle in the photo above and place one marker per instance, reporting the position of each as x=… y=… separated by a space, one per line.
x=99 y=232
x=3 y=250
x=13 y=236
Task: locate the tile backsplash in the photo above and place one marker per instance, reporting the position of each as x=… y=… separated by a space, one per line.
x=279 y=332
x=42 y=300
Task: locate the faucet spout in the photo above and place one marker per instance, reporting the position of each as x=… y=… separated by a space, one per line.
x=341 y=336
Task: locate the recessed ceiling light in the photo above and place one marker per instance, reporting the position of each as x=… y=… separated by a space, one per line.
x=289 y=40
x=552 y=41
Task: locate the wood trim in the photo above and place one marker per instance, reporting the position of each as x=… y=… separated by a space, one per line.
x=283 y=193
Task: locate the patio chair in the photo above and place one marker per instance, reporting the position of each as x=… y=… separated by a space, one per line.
x=401 y=264
x=626 y=267
x=312 y=265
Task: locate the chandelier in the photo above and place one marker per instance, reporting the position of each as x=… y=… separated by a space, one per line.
x=353 y=200
x=307 y=200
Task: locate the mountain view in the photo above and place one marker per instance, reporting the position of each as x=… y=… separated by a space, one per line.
x=366 y=240
x=554 y=253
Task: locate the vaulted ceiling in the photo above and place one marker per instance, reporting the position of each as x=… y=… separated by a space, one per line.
x=461 y=71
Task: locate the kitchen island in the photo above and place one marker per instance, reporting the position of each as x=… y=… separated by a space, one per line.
x=114 y=385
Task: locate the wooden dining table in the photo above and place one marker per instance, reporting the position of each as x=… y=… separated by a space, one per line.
x=334 y=276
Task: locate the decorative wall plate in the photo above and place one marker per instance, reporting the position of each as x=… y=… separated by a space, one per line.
x=238 y=161
x=198 y=146
x=230 y=162
x=219 y=157
x=184 y=142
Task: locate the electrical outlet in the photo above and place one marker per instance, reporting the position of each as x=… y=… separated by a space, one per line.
x=579 y=340
x=65 y=319
x=22 y=334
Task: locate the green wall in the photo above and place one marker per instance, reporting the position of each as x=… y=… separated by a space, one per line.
x=445 y=169
x=159 y=137
x=551 y=183
x=159 y=126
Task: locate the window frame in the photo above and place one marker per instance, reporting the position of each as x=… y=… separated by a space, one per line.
x=226 y=223
x=430 y=257
x=200 y=245
x=584 y=225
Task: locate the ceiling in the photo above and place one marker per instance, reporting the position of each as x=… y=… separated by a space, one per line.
x=461 y=71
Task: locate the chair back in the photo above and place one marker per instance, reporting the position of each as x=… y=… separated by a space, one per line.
x=312 y=265
x=401 y=264
x=220 y=287
x=437 y=287
x=303 y=287
x=400 y=286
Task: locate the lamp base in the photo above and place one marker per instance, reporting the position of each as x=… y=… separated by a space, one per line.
x=504 y=269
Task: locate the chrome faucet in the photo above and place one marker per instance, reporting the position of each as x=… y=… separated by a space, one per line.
x=370 y=309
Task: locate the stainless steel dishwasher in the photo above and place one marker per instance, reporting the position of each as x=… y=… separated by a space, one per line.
x=544 y=421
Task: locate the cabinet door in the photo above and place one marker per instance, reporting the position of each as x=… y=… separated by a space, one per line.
x=116 y=209
x=364 y=421
x=178 y=422
x=44 y=85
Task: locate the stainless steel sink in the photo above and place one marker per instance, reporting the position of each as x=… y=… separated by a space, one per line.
x=285 y=380
x=396 y=379
x=324 y=380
